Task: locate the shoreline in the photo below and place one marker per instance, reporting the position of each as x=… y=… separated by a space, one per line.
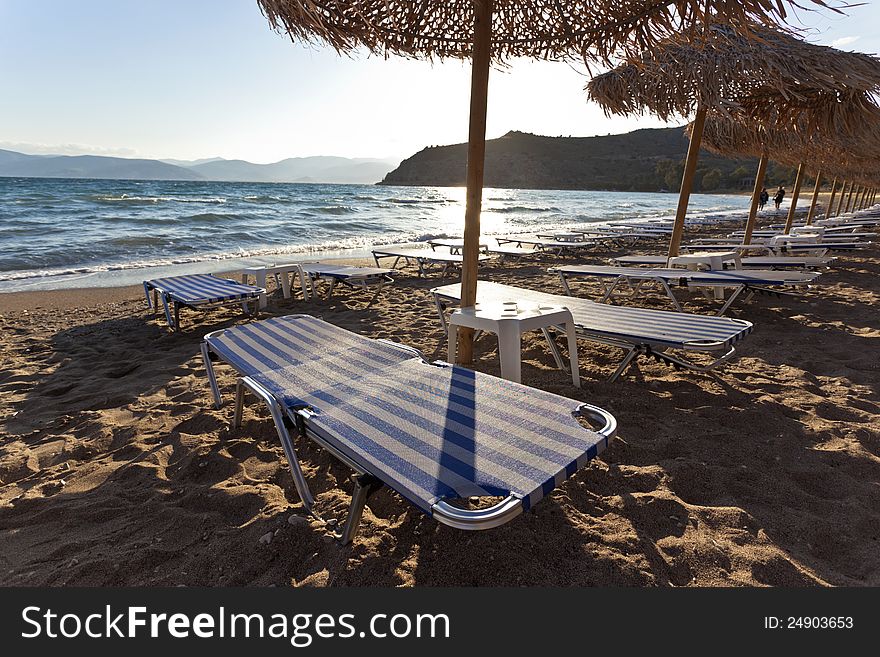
x=123 y=274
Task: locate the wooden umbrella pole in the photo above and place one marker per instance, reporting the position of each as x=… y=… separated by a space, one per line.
x=831 y=199
x=687 y=181
x=849 y=196
x=794 y=198
x=840 y=200
x=475 y=166
x=756 y=197
x=815 y=197
x=862 y=200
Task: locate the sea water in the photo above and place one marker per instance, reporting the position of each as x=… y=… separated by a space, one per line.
x=58 y=233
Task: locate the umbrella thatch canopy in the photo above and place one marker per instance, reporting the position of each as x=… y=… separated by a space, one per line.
x=775 y=78
x=769 y=74
x=791 y=144
x=495 y=30
x=545 y=29
x=832 y=155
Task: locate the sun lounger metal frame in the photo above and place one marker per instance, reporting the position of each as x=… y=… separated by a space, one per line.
x=542 y=244
x=634 y=345
x=745 y=282
x=285 y=417
x=172 y=300
x=755 y=262
x=505 y=251
x=455 y=246
x=353 y=277
x=423 y=258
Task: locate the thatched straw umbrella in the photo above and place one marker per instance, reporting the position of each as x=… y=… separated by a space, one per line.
x=792 y=146
x=777 y=78
x=495 y=30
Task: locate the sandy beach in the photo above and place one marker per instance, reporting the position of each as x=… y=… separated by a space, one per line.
x=115 y=469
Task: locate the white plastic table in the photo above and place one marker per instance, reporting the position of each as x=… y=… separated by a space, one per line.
x=509 y=320
x=280 y=272
x=714 y=260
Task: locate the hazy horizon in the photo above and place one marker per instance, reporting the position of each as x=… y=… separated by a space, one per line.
x=205 y=79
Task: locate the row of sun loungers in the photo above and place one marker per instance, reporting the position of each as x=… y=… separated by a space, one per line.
x=206 y=291
x=438 y=434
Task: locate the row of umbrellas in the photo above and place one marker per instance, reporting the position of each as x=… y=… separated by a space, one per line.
x=734 y=66
x=755 y=90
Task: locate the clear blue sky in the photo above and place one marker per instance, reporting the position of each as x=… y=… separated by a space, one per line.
x=201 y=78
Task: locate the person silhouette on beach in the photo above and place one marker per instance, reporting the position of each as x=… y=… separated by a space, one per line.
x=763 y=197
x=780 y=194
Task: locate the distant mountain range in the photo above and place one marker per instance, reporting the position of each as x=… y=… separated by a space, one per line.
x=643 y=160
x=647 y=160
x=318 y=169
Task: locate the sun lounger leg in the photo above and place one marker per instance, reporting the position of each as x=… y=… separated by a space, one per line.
x=673 y=360
x=303 y=285
x=441 y=312
x=669 y=294
x=147 y=294
x=573 y=354
x=239 y=405
x=168 y=317
x=732 y=298
x=299 y=480
x=609 y=291
x=565 y=286
x=212 y=378
x=554 y=350
x=631 y=354
x=176 y=316
x=375 y=296
x=364 y=486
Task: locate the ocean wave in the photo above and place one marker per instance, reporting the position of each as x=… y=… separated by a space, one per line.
x=522 y=209
x=416 y=201
x=210 y=217
x=105 y=226
x=126 y=198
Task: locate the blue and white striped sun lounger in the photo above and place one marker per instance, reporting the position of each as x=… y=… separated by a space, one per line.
x=424 y=258
x=353 y=277
x=659 y=334
x=455 y=245
x=817 y=249
x=543 y=244
x=753 y=262
x=748 y=281
x=199 y=291
x=433 y=432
